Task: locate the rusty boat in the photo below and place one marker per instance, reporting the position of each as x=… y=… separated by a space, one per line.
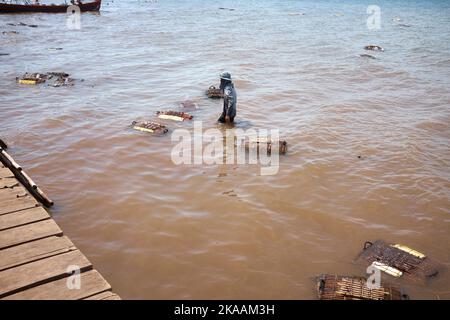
x=29 y=6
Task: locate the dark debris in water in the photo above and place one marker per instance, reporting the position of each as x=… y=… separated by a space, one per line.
x=229 y=9
x=9 y=33
x=373 y=47
x=230 y=193
x=59 y=79
x=188 y=104
x=365 y=55
x=21 y=24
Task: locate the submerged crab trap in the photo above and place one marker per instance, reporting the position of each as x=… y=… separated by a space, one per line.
x=174 y=115
x=398 y=260
x=263 y=145
x=214 y=92
x=149 y=126
x=335 y=287
x=59 y=79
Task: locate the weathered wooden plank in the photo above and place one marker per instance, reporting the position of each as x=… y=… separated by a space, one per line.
x=34 y=250
x=16 y=190
x=22 y=217
x=8 y=182
x=5 y=172
x=34 y=256
x=16 y=204
x=10 y=193
x=91 y=283
x=29 y=232
x=39 y=272
x=107 y=295
x=112 y=297
x=100 y=296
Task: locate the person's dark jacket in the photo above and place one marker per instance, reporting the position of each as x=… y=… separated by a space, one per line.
x=229 y=103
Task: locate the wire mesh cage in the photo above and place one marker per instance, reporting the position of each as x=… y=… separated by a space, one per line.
x=336 y=287
x=174 y=115
x=398 y=261
x=148 y=126
x=214 y=92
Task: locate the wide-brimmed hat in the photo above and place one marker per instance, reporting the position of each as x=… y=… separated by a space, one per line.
x=225 y=76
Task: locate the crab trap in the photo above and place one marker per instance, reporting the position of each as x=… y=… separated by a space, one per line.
x=335 y=287
x=398 y=261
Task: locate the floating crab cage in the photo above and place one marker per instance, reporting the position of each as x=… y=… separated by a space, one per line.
x=335 y=287
x=149 y=126
x=174 y=115
x=398 y=261
x=62 y=78
x=266 y=146
x=214 y=92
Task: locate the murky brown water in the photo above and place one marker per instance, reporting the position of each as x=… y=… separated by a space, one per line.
x=160 y=231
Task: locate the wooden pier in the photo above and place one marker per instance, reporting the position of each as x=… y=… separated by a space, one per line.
x=36 y=259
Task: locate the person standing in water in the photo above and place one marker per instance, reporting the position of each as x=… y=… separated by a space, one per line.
x=229 y=98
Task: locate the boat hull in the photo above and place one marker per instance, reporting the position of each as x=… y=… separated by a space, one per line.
x=22 y=8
